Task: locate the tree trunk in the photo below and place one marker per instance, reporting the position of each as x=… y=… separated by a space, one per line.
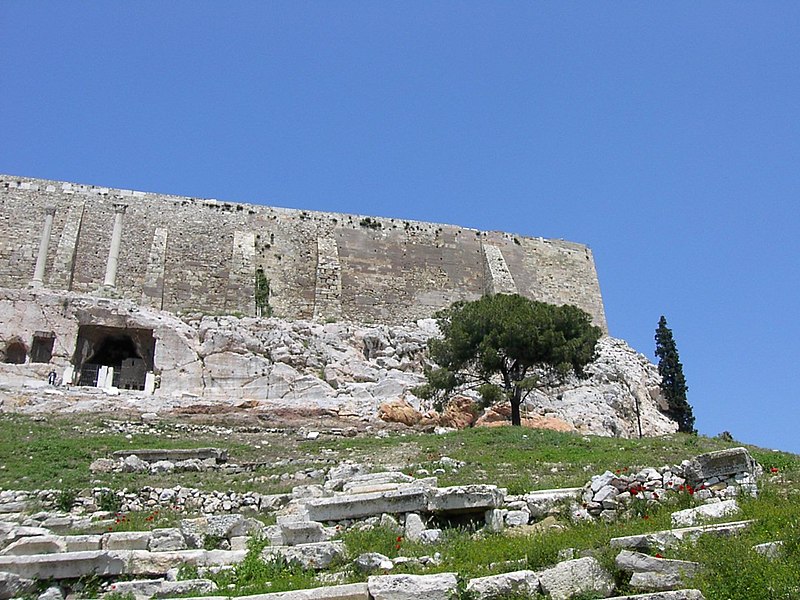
x=516 y=400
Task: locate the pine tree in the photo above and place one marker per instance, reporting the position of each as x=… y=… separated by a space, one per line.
x=673 y=383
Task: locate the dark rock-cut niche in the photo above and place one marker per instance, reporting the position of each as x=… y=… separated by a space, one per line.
x=128 y=351
x=15 y=353
x=42 y=346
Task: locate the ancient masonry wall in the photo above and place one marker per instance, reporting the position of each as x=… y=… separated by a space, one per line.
x=192 y=255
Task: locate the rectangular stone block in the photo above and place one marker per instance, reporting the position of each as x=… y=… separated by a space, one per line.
x=465 y=498
x=722 y=464
x=66 y=565
x=366 y=505
x=671 y=537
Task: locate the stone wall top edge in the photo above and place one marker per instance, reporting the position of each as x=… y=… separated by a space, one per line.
x=124 y=194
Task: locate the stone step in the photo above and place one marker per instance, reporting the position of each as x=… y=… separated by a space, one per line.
x=174 y=455
x=688 y=594
x=70 y=565
x=351 y=591
x=667 y=538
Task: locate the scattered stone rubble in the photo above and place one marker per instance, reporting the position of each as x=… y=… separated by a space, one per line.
x=716 y=477
x=36 y=547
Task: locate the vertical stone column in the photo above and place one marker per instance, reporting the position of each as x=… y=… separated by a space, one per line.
x=41 y=258
x=113 y=252
x=498 y=277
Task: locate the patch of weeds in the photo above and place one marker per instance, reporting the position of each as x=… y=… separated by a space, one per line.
x=187 y=571
x=109 y=501
x=144 y=521
x=66 y=499
x=119 y=596
x=255 y=575
x=213 y=542
x=376 y=539
x=88 y=586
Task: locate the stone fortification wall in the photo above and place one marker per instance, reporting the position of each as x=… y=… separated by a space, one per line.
x=187 y=255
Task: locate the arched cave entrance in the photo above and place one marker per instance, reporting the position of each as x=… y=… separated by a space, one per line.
x=129 y=352
x=16 y=353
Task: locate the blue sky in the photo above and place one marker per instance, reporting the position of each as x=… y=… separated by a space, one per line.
x=665 y=136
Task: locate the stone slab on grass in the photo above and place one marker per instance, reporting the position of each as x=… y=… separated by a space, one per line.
x=160 y=588
x=671 y=595
x=358 y=506
x=352 y=591
x=574 y=577
x=315 y=556
x=722 y=464
x=705 y=512
x=37 y=544
x=175 y=454
x=514 y=583
x=65 y=565
x=465 y=498
x=441 y=586
x=661 y=540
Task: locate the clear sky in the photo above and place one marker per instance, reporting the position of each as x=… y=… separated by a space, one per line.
x=666 y=136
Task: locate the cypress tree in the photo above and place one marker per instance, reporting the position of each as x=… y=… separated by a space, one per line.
x=673 y=383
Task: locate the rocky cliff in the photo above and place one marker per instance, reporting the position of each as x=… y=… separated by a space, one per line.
x=342 y=369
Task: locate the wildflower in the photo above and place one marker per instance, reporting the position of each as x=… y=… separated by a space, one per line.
x=399 y=538
x=690 y=490
x=645 y=517
x=655 y=496
x=773 y=470
x=617 y=471
x=658 y=555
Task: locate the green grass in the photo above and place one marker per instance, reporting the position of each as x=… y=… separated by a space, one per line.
x=56 y=453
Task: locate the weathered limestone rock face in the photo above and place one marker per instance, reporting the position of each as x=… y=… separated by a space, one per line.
x=342 y=369
x=622 y=390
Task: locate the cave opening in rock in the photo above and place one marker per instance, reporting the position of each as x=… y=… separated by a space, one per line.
x=124 y=353
x=16 y=353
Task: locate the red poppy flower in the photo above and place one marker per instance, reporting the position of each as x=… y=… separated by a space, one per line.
x=773 y=470
x=658 y=555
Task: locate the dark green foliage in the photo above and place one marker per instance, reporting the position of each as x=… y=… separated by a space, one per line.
x=66 y=499
x=263 y=309
x=109 y=501
x=511 y=343
x=673 y=383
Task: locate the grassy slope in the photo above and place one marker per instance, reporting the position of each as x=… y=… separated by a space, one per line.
x=56 y=453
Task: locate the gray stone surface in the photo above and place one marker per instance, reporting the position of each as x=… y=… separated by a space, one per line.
x=414 y=527
x=705 y=512
x=465 y=498
x=655 y=574
x=493 y=586
x=688 y=594
x=311 y=556
x=441 y=586
x=167 y=258
x=660 y=540
x=166 y=540
x=160 y=588
x=723 y=463
x=578 y=576
x=769 y=549
x=12 y=585
x=356 y=506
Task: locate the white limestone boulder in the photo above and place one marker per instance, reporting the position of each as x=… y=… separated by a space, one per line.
x=573 y=577
x=441 y=586
x=517 y=583
x=705 y=512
